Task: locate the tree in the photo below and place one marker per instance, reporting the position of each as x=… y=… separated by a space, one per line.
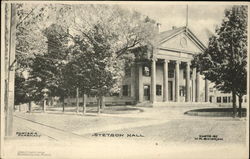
x=50 y=67
x=104 y=42
x=94 y=67
x=31 y=45
x=224 y=61
x=103 y=36
x=127 y=29
x=29 y=40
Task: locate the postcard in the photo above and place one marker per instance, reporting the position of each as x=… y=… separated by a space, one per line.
x=124 y=79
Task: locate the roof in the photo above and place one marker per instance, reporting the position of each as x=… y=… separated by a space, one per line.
x=166 y=35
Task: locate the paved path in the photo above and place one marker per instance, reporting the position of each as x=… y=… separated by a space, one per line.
x=46 y=130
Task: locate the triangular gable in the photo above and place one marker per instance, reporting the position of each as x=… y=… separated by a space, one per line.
x=183 y=40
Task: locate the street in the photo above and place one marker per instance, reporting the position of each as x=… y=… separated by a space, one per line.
x=158 y=129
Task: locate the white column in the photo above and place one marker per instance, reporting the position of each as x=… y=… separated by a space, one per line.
x=197 y=86
x=140 y=84
x=165 y=80
x=194 y=84
x=153 y=80
x=177 y=72
x=188 y=82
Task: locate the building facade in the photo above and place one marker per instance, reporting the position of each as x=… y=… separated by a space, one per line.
x=166 y=76
x=224 y=99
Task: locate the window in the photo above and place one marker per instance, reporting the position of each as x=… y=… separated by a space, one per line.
x=146 y=71
x=229 y=99
x=171 y=74
x=218 y=99
x=125 y=90
x=224 y=99
x=182 y=91
x=158 y=90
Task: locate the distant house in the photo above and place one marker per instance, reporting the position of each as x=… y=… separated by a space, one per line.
x=224 y=99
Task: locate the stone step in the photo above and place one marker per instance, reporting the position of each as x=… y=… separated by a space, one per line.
x=157 y=104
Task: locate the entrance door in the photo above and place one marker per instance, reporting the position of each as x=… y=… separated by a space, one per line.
x=146 y=89
x=170 y=90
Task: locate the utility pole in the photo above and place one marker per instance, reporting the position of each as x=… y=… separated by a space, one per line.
x=10 y=42
x=187 y=16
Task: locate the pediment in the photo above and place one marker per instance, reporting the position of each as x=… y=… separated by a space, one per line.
x=181 y=42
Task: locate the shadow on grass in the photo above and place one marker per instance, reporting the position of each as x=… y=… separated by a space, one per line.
x=214 y=112
x=106 y=110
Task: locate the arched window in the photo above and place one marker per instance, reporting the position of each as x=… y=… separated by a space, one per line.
x=146 y=70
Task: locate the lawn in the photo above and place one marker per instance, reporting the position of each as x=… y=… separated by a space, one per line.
x=215 y=112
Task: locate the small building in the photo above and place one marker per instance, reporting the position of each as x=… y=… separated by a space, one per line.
x=224 y=99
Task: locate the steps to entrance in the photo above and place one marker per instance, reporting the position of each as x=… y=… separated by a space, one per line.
x=157 y=104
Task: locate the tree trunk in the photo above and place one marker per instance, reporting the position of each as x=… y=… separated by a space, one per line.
x=84 y=103
x=52 y=101
x=77 y=99
x=49 y=101
x=234 y=104
x=99 y=105
x=63 y=106
x=44 y=105
x=29 y=106
x=102 y=102
x=240 y=106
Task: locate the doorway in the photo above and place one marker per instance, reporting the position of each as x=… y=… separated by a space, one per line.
x=170 y=90
x=146 y=93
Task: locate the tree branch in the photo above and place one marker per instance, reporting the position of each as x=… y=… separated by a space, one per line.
x=123 y=50
x=25 y=17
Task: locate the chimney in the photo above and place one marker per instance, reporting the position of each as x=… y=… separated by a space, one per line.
x=158 y=27
x=174 y=27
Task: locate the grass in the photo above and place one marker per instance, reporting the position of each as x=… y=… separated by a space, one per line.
x=106 y=110
x=218 y=112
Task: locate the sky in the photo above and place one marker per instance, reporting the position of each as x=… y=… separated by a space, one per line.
x=200 y=17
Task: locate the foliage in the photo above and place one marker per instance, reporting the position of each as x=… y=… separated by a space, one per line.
x=87 y=46
x=49 y=68
x=111 y=34
x=224 y=61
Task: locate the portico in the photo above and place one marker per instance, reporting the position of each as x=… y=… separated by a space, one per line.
x=191 y=82
x=170 y=77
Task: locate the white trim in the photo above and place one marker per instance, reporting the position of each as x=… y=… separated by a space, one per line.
x=190 y=35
